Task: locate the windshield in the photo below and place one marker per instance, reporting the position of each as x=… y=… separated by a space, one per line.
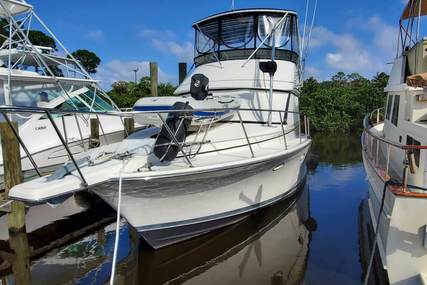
x=93 y=99
x=36 y=94
x=237 y=36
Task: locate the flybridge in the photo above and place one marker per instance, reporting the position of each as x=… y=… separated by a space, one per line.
x=244 y=33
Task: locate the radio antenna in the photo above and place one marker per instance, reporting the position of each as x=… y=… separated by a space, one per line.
x=232 y=5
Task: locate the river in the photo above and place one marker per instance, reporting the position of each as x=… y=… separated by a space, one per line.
x=312 y=238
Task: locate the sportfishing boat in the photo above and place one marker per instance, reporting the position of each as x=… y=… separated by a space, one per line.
x=394 y=154
x=51 y=78
x=208 y=164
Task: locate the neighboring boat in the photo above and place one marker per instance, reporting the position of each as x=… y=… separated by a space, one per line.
x=179 y=183
x=394 y=155
x=36 y=76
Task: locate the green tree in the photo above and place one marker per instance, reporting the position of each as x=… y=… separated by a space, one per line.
x=89 y=60
x=125 y=93
x=39 y=38
x=341 y=103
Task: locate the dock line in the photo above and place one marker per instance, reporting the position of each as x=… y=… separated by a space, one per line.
x=116 y=242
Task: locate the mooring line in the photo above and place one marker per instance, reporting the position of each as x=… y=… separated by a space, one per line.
x=116 y=242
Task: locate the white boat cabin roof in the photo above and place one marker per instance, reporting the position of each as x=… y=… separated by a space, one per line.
x=241 y=12
x=14 y=8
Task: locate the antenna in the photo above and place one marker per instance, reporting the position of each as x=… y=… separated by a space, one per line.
x=232 y=5
x=136 y=71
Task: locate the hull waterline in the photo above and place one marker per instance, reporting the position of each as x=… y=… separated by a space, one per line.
x=175 y=209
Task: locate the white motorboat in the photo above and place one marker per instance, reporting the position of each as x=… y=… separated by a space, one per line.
x=394 y=156
x=36 y=76
x=178 y=183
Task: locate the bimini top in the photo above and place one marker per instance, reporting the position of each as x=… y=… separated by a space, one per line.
x=245 y=11
x=235 y=35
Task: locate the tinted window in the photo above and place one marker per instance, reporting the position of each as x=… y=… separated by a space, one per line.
x=389 y=103
x=395 y=115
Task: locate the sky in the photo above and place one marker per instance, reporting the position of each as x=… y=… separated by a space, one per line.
x=349 y=36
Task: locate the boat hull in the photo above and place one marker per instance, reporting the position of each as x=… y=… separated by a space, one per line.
x=172 y=209
x=402 y=233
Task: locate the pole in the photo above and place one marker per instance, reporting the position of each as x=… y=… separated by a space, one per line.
x=154 y=76
x=94 y=133
x=129 y=126
x=12 y=174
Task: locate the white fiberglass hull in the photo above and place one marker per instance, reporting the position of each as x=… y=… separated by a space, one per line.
x=402 y=232
x=172 y=209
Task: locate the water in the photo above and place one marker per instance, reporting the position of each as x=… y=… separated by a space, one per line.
x=311 y=239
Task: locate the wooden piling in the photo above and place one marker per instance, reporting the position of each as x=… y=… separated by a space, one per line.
x=129 y=126
x=182 y=69
x=94 y=133
x=11 y=156
x=12 y=174
x=154 y=76
x=21 y=261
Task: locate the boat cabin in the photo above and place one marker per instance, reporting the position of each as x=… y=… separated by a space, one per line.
x=252 y=55
x=236 y=35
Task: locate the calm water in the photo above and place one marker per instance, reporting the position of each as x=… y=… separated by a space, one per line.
x=310 y=239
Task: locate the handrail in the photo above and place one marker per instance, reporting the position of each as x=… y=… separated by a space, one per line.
x=41 y=110
x=374 y=155
x=174 y=141
x=367 y=125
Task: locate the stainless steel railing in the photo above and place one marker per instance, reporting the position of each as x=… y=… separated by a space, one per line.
x=379 y=150
x=5 y=110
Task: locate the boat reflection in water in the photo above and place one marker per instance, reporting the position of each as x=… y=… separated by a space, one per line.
x=269 y=247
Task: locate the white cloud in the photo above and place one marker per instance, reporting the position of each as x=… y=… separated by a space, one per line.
x=311 y=71
x=96 y=35
x=346 y=52
x=182 y=51
x=116 y=70
x=165 y=41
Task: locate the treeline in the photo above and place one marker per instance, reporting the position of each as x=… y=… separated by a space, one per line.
x=340 y=103
x=125 y=93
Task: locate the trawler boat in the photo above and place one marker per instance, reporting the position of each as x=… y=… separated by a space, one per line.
x=173 y=183
x=394 y=155
x=43 y=77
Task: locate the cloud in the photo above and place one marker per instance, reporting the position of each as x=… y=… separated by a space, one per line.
x=364 y=49
x=311 y=71
x=165 y=41
x=116 y=70
x=183 y=51
x=96 y=35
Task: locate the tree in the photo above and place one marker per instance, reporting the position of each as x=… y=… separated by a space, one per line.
x=341 y=103
x=125 y=93
x=89 y=60
x=39 y=38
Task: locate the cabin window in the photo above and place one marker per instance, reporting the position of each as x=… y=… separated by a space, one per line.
x=235 y=37
x=389 y=103
x=412 y=141
x=395 y=115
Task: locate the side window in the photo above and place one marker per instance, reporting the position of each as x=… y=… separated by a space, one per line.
x=395 y=115
x=389 y=103
x=412 y=141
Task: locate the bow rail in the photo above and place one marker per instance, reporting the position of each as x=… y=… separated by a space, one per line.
x=6 y=110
